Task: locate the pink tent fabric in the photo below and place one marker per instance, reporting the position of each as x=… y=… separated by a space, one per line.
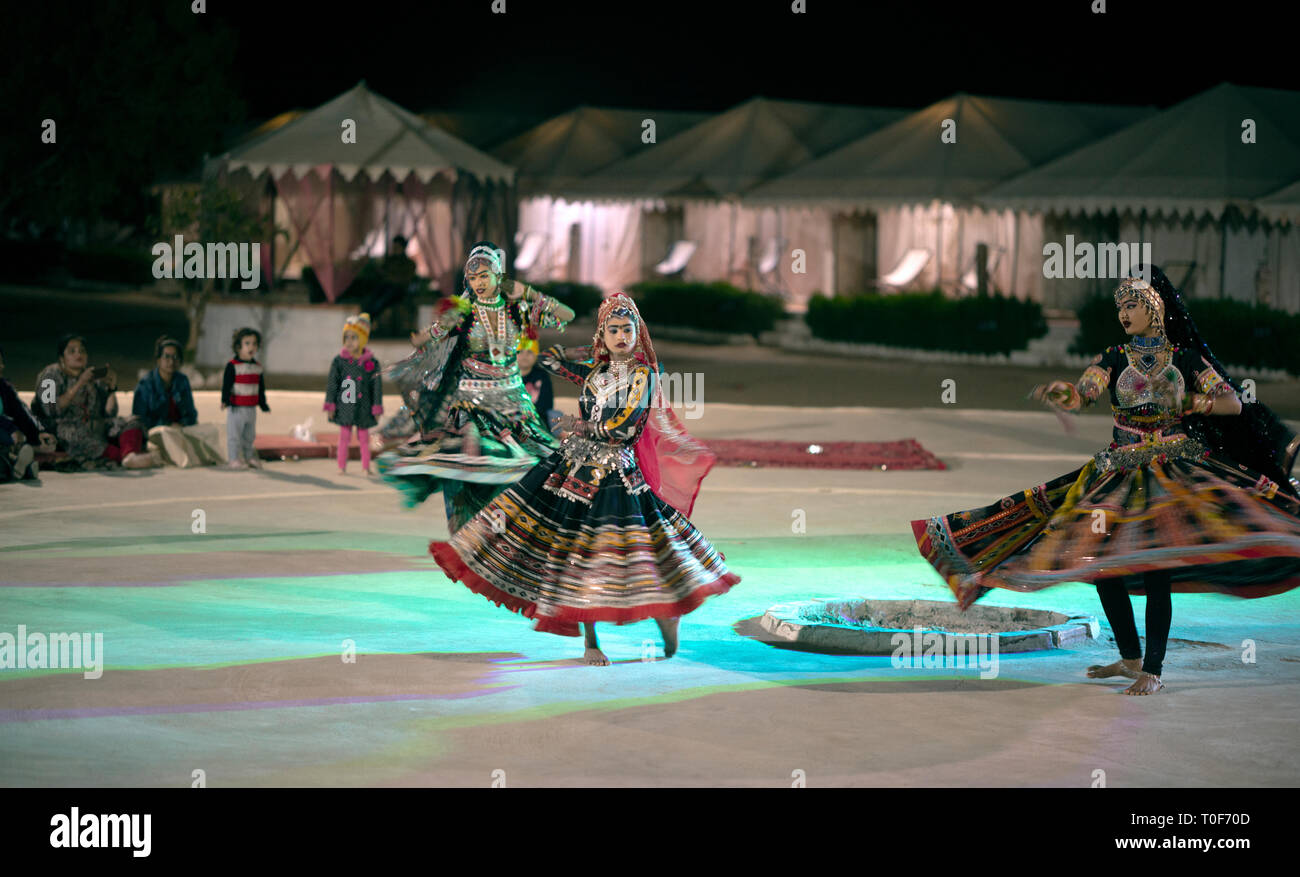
x=310 y=202
x=424 y=212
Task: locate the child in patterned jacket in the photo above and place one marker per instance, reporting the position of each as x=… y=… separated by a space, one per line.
x=354 y=394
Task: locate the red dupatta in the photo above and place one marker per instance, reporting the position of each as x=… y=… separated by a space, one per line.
x=672 y=462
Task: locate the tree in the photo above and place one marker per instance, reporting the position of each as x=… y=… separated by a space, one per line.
x=135 y=94
x=216 y=212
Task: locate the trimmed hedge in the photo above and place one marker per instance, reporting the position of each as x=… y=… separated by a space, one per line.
x=717 y=307
x=929 y=321
x=580 y=297
x=1240 y=334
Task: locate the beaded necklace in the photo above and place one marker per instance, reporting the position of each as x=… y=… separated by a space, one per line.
x=496 y=345
x=1150 y=352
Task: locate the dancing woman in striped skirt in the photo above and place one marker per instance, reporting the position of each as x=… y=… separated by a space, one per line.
x=598 y=531
x=1194 y=493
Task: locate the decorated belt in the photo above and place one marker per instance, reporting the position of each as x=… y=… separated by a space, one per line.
x=1150 y=424
x=1151 y=449
x=585 y=452
x=510 y=383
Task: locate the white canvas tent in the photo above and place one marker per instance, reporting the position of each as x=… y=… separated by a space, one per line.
x=688 y=187
x=584 y=241
x=483 y=129
x=1186 y=181
x=559 y=153
x=920 y=176
x=340 y=199
x=1280 y=282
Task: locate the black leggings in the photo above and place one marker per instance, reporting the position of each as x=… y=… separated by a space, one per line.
x=1119 y=612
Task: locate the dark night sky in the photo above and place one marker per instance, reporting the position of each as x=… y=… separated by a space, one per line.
x=546 y=56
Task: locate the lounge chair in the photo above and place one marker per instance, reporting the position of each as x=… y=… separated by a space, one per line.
x=677 y=259
x=768 y=266
x=530 y=250
x=908 y=269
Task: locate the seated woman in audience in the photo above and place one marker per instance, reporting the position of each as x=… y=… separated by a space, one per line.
x=20 y=435
x=164 y=403
x=80 y=403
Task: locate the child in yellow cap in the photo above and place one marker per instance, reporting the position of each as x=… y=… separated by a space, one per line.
x=354 y=395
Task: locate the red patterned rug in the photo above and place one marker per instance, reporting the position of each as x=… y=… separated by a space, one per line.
x=903 y=454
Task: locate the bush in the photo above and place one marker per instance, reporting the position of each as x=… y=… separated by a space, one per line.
x=929 y=321
x=718 y=307
x=1244 y=335
x=579 y=297
x=28 y=261
x=132 y=265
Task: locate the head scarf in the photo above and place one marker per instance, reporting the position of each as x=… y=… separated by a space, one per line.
x=1257 y=438
x=621 y=305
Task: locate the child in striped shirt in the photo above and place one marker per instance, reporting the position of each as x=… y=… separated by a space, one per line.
x=243 y=391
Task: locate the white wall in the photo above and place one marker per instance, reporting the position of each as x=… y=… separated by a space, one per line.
x=296 y=338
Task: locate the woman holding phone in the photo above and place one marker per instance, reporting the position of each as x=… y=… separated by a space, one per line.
x=80 y=404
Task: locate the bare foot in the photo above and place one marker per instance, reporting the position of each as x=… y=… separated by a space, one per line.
x=1145 y=684
x=668 y=627
x=595 y=657
x=1123 y=667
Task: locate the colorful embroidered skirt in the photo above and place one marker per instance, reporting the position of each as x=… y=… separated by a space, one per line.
x=481 y=451
x=1214 y=526
x=560 y=559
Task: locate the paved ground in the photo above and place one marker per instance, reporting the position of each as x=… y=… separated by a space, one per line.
x=223 y=649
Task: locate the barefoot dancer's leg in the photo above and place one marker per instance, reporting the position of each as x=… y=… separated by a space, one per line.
x=1119 y=613
x=668 y=627
x=1159 y=615
x=1160 y=612
x=593 y=654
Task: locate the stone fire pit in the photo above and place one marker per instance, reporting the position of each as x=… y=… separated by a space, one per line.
x=868 y=627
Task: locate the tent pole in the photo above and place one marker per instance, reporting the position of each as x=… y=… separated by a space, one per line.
x=731 y=244
x=1015 y=251
x=938 y=245
x=270 y=184
x=961 y=242
x=329 y=251
x=1223 y=251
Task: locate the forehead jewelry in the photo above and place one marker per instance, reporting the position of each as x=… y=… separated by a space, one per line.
x=1145 y=294
x=484 y=254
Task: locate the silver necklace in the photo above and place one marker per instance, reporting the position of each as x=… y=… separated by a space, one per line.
x=497 y=345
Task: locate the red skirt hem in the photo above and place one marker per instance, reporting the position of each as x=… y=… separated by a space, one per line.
x=965 y=592
x=566 y=621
